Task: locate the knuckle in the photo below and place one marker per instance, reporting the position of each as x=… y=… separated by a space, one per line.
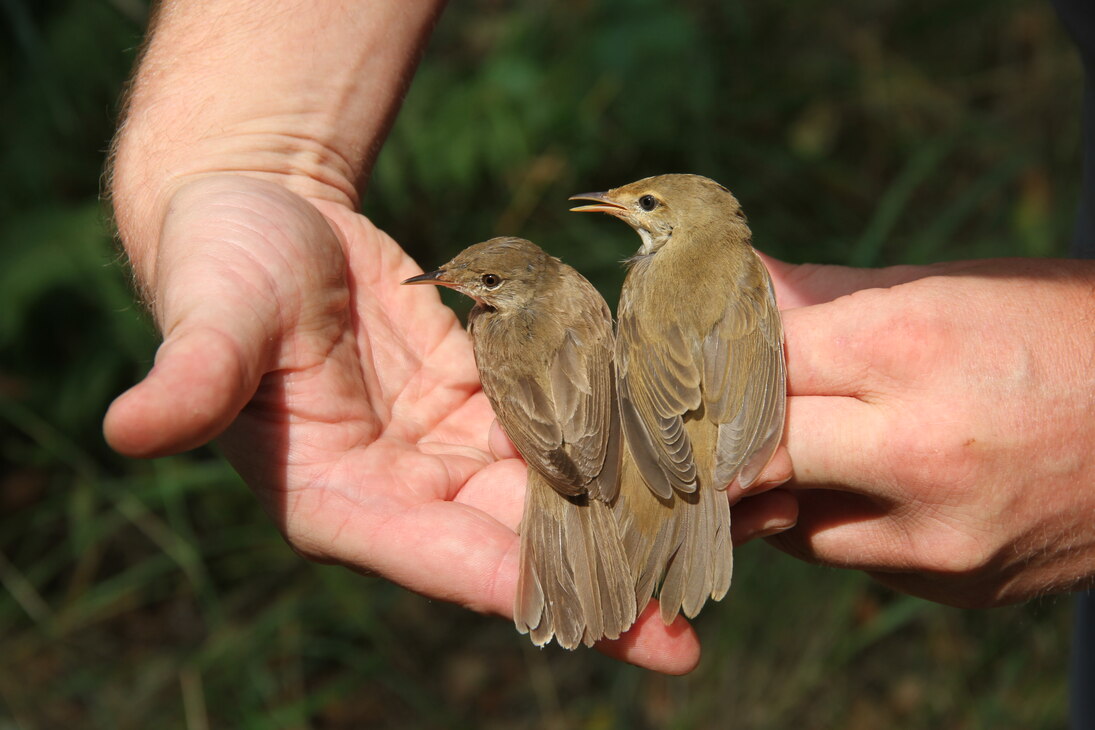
x=954 y=553
x=912 y=341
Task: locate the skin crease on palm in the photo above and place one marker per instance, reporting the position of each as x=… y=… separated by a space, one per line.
x=939 y=420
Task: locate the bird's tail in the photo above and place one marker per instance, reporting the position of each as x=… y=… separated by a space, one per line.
x=574 y=583
x=679 y=546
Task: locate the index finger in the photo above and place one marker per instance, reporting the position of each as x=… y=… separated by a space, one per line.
x=829 y=351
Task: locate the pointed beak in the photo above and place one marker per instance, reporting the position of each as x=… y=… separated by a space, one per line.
x=603 y=204
x=431 y=277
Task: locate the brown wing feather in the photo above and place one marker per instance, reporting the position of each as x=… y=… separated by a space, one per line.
x=584 y=389
x=719 y=401
x=564 y=421
x=658 y=381
x=745 y=381
x=574 y=583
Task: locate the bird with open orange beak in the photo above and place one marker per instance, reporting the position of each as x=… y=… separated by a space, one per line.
x=700 y=378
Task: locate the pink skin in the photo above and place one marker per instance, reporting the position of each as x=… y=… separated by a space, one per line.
x=349 y=403
x=939 y=425
x=365 y=435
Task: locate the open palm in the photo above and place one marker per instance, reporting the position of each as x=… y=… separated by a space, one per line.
x=350 y=404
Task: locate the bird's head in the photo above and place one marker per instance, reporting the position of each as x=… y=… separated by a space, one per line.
x=656 y=206
x=503 y=273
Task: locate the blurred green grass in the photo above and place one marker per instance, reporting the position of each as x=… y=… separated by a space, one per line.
x=158 y=595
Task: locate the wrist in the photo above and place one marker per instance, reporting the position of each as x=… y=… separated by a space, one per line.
x=299 y=95
x=145 y=179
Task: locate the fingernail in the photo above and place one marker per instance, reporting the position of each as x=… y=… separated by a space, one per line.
x=776 y=529
x=770 y=484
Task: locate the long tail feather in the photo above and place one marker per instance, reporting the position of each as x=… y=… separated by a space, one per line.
x=575 y=583
x=679 y=547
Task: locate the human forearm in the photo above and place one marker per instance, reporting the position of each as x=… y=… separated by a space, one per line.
x=301 y=93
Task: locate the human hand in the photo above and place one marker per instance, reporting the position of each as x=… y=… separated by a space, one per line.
x=350 y=404
x=337 y=394
x=940 y=425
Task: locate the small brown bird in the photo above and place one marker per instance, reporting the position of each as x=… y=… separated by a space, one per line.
x=701 y=381
x=543 y=344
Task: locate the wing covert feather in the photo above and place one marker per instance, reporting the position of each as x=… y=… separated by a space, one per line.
x=744 y=355
x=735 y=371
x=565 y=423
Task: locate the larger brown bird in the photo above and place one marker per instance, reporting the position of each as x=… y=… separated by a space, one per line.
x=543 y=344
x=701 y=381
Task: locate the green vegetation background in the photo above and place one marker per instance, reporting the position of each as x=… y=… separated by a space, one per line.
x=139 y=595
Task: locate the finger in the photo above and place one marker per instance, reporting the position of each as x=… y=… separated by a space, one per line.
x=649 y=643
x=460 y=554
x=465 y=557
x=829 y=348
x=500 y=445
x=505 y=505
x=845 y=530
x=763 y=515
x=218 y=342
x=201 y=380
x=777 y=472
x=803 y=285
x=473 y=561
x=227 y=290
x=837 y=441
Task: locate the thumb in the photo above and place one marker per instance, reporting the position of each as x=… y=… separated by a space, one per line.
x=201 y=380
x=228 y=287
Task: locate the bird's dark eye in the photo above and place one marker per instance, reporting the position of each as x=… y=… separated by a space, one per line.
x=491 y=281
x=648 y=202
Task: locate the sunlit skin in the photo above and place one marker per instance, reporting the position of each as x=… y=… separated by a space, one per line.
x=940 y=424
x=353 y=408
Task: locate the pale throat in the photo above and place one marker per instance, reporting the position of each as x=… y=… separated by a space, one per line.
x=650 y=242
